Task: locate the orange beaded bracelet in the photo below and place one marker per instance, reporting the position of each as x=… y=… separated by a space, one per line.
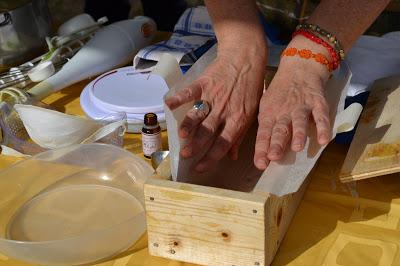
x=308 y=54
x=335 y=57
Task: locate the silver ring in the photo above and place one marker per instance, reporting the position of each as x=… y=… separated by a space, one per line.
x=202 y=106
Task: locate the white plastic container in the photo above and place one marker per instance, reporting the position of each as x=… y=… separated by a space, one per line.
x=112 y=46
x=75 y=24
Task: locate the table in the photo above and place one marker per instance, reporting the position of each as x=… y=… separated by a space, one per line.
x=335 y=224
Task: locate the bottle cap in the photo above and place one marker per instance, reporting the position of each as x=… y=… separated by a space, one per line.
x=150 y=119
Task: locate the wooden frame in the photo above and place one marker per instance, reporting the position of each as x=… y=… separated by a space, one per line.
x=213 y=226
x=375 y=149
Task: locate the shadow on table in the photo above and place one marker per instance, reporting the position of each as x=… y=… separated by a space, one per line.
x=331 y=210
x=66 y=96
x=356 y=221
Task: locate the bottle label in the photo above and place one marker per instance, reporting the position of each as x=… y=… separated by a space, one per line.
x=151 y=143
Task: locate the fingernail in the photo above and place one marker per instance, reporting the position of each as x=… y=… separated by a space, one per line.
x=184 y=132
x=274 y=152
x=201 y=168
x=261 y=164
x=323 y=139
x=274 y=155
x=297 y=146
x=186 y=152
x=169 y=102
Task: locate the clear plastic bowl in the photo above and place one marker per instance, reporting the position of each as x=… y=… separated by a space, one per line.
x=72 y=206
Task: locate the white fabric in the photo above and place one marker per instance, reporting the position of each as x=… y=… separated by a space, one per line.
x=372 y=58
x=192 y=31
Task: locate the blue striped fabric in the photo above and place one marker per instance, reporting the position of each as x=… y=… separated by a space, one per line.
x=193 y=35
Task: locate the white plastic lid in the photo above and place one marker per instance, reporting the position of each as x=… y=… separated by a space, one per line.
x=94 y=112
x=98 y=112
x=126 y=90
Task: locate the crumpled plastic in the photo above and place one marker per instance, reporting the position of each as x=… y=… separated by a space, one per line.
x=51 y=129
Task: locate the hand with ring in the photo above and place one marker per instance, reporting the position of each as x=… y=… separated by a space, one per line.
x=227 y=95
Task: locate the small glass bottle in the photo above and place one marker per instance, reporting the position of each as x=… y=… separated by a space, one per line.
x=151 y=135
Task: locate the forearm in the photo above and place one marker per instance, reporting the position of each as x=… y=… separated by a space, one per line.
x=347 y=19
x=236 y=24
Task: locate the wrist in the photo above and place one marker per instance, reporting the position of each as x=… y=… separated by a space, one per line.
x=254 y=51
x=310 y=65
x=301 y=42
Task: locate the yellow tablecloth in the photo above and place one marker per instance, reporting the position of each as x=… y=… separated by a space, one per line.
x=334 y=225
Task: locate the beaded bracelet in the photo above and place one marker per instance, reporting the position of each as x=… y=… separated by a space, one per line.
x=330 y=37
x=307 y=54
x=316 y=39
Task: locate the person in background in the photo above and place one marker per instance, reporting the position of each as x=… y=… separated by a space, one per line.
x=165 y=13
x=232 y=85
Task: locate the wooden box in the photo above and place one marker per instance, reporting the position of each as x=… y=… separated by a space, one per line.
x=216 y=223
x=228 y=218
x=214 y=226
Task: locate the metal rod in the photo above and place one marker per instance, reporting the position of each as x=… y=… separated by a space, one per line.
x=20 y=72
x=3 y=86
x=24 y=78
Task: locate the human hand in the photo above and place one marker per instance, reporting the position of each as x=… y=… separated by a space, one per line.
x=295 y=94
x=232 y=85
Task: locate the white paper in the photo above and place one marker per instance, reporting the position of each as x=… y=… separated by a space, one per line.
x=168 y=68
x=175 y=118
x=280 y=178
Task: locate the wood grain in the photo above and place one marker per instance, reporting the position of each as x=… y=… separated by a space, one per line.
x=375 y=149
x=204 y=225
x=279 y=214
x=213 y=226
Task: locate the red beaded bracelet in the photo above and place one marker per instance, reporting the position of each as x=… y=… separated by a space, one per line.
x=316 y=39
x=329 y=37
